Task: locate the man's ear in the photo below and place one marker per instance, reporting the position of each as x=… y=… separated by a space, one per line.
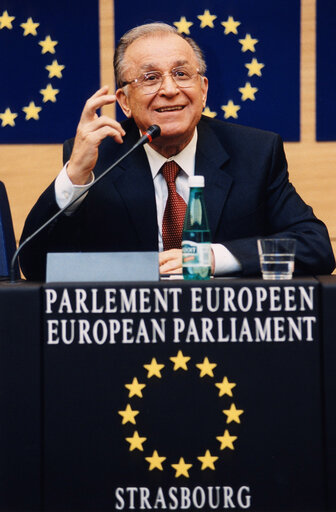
x=204 y=90
x=123 y=102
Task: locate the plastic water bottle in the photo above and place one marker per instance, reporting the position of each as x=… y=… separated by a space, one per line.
x=196 y=236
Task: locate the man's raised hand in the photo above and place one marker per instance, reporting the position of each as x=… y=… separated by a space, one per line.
x=91 y=130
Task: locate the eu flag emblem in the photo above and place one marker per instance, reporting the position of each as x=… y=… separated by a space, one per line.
x=252 y=50
x=325 y=71
x=49 y=66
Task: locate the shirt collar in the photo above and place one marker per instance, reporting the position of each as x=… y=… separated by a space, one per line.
x=185 y=159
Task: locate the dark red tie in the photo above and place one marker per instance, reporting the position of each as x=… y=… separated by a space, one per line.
x=174 y=213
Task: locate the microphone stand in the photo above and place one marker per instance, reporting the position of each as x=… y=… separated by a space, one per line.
x=152 y=132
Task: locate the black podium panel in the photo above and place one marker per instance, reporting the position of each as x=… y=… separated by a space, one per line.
x=20 y=392
x=328 y=318
x=174 y=396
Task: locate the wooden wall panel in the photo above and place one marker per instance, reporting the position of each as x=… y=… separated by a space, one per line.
x=27 y=170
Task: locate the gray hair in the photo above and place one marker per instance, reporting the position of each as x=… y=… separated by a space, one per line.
x=147 y=30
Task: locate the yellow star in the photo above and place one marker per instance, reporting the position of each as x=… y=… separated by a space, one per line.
x=135 y=388
x=233 y=414
x=230 y=26
x=248 y=43
x=207 y=112
x=55 y=69
x=207 y=460
x=6 y=20
x=136 y=441
x=154 y=369
x=49 y=94
x=248 y=92
x=254 y=67
x=180 y=361
x=182 y=468
x=183 y=25
x=48 y=45
x=206 y=367
x=32 y=111
x=230 y=110
x=8 y=117
x=226 y=440
x=30 y=27
x=128 y=415
x=207 y=19
x=155 y=461
x=225 y=387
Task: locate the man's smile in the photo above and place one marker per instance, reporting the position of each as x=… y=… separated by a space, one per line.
x=170 y=109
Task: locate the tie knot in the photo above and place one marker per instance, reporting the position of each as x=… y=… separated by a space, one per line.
x=170 y=171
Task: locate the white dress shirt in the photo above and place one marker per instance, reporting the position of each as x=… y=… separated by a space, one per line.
x=65 y=191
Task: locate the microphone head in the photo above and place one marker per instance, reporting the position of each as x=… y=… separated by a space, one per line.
x=152 y=132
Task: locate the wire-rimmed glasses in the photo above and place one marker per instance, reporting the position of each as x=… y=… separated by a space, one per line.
x=151 y=81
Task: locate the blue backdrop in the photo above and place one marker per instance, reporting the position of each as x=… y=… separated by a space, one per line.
x=252 y=48
x=325 y=70
x=49 y=66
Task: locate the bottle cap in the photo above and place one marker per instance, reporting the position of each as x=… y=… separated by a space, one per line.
x=196 y=181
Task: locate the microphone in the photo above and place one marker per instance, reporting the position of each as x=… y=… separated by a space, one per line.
x=153 y=131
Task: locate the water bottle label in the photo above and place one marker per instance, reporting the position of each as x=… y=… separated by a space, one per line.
x=196 y=255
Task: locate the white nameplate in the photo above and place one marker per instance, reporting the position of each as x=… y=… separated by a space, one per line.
x=102 y=266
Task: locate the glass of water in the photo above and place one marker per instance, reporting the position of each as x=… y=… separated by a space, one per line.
x=276 y=257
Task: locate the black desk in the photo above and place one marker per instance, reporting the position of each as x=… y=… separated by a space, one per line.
x=20 y=397
x=328 y=385
x=239 y=416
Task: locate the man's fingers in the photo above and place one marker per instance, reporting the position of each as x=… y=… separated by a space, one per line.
x=105 y=121
x=96 y=101
x=94 y=138
x=170 y=261
x=167 y=270
x=92 y=131
x=92 y=105
x=170 y=255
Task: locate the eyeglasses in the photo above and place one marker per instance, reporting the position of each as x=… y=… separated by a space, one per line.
x=151 y=81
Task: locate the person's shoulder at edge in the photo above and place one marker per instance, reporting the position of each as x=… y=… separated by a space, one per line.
x=235 y=129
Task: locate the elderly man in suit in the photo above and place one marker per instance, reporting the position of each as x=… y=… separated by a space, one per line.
x=161 y=80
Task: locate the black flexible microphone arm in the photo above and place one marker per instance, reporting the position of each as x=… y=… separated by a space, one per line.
x=152 y=132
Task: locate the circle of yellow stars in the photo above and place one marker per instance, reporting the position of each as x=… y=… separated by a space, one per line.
x=49 y=93
x=157 y=461
x=248 y=44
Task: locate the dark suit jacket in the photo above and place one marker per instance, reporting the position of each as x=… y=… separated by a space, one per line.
x=247 y=196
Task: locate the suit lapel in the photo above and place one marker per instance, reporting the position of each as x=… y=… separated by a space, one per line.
x=210 y=160
x=133 y=181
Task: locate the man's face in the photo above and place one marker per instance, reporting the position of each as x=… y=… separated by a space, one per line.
x=176 y=110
